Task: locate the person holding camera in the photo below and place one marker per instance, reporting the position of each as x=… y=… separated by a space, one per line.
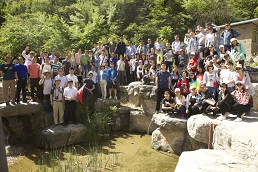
x=56 y=100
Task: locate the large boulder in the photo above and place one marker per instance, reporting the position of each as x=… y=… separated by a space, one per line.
x=140 y=122
x=122 y=118
x=255 y=97
x=53 y=137
x=172 y=135
x=207 y=160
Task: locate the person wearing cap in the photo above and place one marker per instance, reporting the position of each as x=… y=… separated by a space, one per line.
x=237 y=52
x=227 y=35
x=21 y=76
x=47 y=83
x=120 y=47
x=112 y=80
x=244 y=76
x=193 y=62
x=56 y=100
x=192 y=102
x=28 y=58
x=73 y=77
x=180 y=108
x=34 y=71
x=176 y=47
x=222 y=52
x=70 y=103
x=225 y=102
x=243 y=101
x=229 y=77
x=7 y=71
x=130 y=49
x=162 y=84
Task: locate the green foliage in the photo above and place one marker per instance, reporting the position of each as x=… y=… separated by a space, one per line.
x=98 y=124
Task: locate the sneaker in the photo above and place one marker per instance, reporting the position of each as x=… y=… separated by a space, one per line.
x=222 y=118
x=238 y=119
x=243 y=115
x=115 y=97
x=110 y=97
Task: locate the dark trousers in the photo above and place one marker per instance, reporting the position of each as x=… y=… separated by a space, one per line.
x=70 y=109
x=193 y=110
x=223 y=107
x=47 y=105
x=240 y=109
x=34 y=83
x=21 y=85
x=160 y=96
x=169 y=65
x=180 y=110
x=121 y=75
x=176 y=59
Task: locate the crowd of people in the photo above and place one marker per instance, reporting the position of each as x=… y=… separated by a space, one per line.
x=193 y=76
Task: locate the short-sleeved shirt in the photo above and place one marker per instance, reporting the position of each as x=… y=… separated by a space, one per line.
x=70 y=92
x=33 y=69
x=21 y=70
x=112 y=73
x=8 y=74
x=47 y=86
x=170 y=101
x=63 y=80
x=163 y=79
x=72 y=77
x=57 y=93
x=89 y=83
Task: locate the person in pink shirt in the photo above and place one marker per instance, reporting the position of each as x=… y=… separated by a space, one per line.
x=34 y=71
x=78 y=57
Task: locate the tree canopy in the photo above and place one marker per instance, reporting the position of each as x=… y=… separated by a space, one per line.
x=66 y=24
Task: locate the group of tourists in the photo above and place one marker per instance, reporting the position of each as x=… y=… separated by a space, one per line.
x=191 y=77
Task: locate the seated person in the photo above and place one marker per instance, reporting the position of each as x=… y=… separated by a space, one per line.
x=168 y=103
x=191 y=102
x=205 y=95
x=243 y=101
x=180 y=104
x=225 y=102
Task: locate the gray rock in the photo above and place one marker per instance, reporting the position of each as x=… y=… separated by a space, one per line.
x=198 y=127
x=207 y=160
x=106 y=103
x=140 y=122
x=122 y=118
x=165 y=121
x=53 y=137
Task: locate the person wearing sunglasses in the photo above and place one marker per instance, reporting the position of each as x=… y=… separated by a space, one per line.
x=243 y=101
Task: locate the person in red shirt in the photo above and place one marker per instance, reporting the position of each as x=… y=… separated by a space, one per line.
x=193 y=62
x=34 y=71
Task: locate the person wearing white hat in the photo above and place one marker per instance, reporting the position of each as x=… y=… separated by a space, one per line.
x=192 y=102
x=243 y=101
x=237 y=52
x=180 y=108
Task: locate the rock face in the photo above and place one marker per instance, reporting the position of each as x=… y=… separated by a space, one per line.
x=140 y=122
x=172 y=135
x=122 y=118
x=53 y=137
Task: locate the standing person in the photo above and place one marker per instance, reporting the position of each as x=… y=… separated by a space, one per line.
x=159 y=46
x=168 y=55
x=106 y=46
x=112 y=81
x=237 y=52
x=21 y=76
x=200 y=41
x=41 y=58
x=77 y=57
x=70 y=103
x=28 y=58
x=103 y=77
x=112 y=46
x=227 y=35
x=149 y=46
x=61 y=57
x=89 y=97
x=141 y=48
x=34 y=71
x=61 y=77
x=162 y=84
x=46 y=66
x=130 y=49
x=121 y=70
x=56 y=100
x=67 y=63
x=72 y=77
x=52 y=55
x=176 y=47
x=85 y=60
x=120 y=47
x=152 y=57
x=132 y=65
x=192 y=44
x=47 y=83
x=55 y=66
x=7 y=71
x=211 y=38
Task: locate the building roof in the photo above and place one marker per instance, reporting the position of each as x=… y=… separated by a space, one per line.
x=255 y=21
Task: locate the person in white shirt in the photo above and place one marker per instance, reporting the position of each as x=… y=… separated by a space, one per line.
x=95 y=74
x=176 y=46
x=159 y=46
x=28 y=58
x=46 y=66
x=61 y=77
x=47 y=83
x=70 y=103
x=229 y=77
x=72 y=77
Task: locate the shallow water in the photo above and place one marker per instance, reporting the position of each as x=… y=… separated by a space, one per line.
x=123 y=152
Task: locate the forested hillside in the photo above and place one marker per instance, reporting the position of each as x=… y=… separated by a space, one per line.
x=66 y=24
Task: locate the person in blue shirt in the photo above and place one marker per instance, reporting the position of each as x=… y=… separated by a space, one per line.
x=227 y=35
x=7 y=71
x=113 y=59
x=112 y=80
x=21 y=76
